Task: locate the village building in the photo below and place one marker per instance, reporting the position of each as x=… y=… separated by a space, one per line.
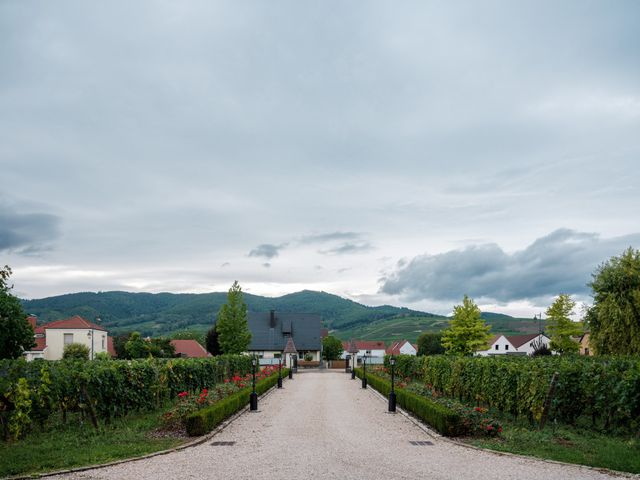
x=189 y=349
x=52 y=337
x=402 y=347
x=271 y=330
x=515 y=344
x=374 y=350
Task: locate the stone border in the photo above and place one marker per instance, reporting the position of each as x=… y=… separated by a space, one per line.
x=192 y=443
x=422 y=426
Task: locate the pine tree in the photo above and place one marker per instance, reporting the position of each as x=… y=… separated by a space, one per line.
x=560 y=326
x=233 y=330
x=467 y=332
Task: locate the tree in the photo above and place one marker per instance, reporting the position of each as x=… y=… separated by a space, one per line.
x=331 y=348
x=160 y=348
x=75 y=351
x=16 y=334
x=560 y=326
x=233 y=330
x=430 y=343
x=467 y=332
x=136 y=347
x=211 y=342
x=614 y=318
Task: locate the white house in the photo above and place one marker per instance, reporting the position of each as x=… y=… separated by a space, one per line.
x=53 y=337
x=514 y=344
x=402 y=347
x=373 y=349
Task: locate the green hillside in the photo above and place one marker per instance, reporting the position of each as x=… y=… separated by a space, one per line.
x=409 y=327
x=165 y=313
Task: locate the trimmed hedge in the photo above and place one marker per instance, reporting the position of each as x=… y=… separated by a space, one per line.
x=205 y=420
x=444 y=420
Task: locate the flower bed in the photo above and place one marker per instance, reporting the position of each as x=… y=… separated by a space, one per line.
x=208 y=417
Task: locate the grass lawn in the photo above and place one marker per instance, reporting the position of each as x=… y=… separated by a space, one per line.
x=568 y=444
x=74 y=445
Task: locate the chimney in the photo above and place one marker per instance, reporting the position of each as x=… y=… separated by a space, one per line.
x=272 y=319
x=32 y=321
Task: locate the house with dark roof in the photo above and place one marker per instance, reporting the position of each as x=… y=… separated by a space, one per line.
x=271 y=330
x=515 y=344
x=52 y=337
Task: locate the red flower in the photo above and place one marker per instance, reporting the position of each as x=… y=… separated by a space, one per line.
x=489 y=428
x=204 y=391
x=183 y=394
x=499 y=429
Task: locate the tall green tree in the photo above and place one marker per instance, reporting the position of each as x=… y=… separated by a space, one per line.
x=16 y=334
x=136 y=346
x=331 y=348
x=614 y=318
x=212 y=345
x=560 y=326
x=467 y=332
x=233 y=330
x=430 y=343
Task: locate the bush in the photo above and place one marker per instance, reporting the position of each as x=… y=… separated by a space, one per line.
x=442 y=419
x=76 y=351
x=206 y=419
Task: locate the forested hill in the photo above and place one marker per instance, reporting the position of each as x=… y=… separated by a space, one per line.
x=161 y=313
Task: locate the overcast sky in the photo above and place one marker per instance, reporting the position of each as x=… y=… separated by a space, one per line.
x=390 y=152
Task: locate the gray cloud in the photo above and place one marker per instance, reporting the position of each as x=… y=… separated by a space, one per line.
x=330 y=237
x=266 y=265
x=27 y=233
x=266 y=250
x=348 y=248
x=561 y=262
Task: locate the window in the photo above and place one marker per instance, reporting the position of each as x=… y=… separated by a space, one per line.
x=497 y=347
x=68 y=338
x=506 y=347
x=103 y=343
x=586 y=351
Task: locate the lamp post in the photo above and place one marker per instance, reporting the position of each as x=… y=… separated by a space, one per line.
x=90 y=335
x=364 y=371
x=280 y=372
x=253 y=398
x=392 y=395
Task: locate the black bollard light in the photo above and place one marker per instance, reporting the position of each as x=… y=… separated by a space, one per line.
x=364 y=371
x=253 y=398
x=347 y=359
x=280 y=372
x=392 y=395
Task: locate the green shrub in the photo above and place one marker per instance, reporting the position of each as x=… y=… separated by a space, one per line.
x=76 y=351
x=442 y=419
x=205 y=420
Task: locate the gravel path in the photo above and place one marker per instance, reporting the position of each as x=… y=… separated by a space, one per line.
x=322 y=425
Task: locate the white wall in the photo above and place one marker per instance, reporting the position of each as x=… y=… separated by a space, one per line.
x=407 y=349
x=503 y=347
x=55 y=341
x=528 y=347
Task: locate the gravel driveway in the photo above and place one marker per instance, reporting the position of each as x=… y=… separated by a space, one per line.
x=322 y=425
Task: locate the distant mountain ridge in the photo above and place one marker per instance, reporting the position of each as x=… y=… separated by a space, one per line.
x=156 y=314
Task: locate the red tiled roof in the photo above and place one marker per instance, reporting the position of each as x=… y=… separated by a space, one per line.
x=74 y=322
x=189 y=348
x=32 y=321
x=110 y=348
x=365 y=345
x=40 y=344
x=39 y=330
x=519 y=340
